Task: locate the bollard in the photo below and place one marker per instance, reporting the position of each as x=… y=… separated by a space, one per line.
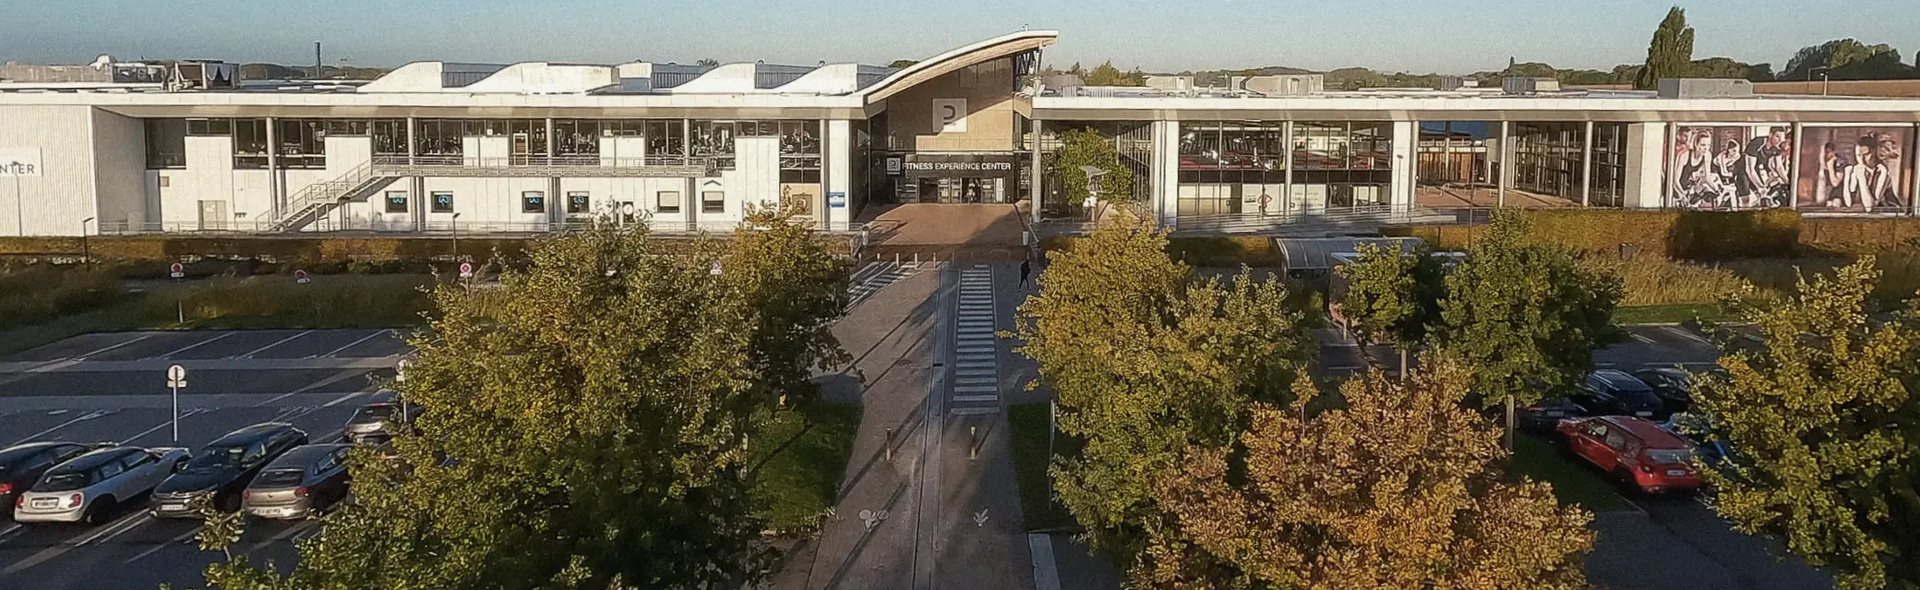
x=896 y=259
x=916 y=259
x=889 y=444
x=973 y=442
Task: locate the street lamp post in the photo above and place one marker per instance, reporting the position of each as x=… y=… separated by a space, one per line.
x=86 y=249
x=1823 y=78
x=456 y=236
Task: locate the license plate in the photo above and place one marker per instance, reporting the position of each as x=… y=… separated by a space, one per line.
x=1676 y=472
x=45 y=502
x=173 y=507
x=1556 y=414
x=1643 y=414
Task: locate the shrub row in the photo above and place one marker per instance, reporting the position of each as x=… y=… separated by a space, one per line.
x=1695 y=235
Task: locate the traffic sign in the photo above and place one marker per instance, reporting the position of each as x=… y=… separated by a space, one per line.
x=176 y=376
x=466 y=270
x=400 y=370
x=177 y=270
x=300 y=276
x=715 y=269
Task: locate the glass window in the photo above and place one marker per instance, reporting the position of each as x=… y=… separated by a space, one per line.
x=210 y=127
x=396 y=201
x=576 y=137
x=578 y=202
x=302 y=142
x=442 y=202
x=166 y=143
x=389 y=137
x=669 y=201
x=666 y=137
x=533 y=202
x=713 y=202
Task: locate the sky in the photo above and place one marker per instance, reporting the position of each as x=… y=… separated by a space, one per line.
x=1451 y=36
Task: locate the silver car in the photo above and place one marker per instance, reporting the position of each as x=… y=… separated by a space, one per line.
x=90 y=487
x=297 y=484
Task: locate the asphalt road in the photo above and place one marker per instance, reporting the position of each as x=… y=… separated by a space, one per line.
x=111 y=387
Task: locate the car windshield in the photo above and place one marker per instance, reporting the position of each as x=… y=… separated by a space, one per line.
x=1670 y=456
x=373 y=412
x=213 y=459
x=66 y=481
x=278 y=478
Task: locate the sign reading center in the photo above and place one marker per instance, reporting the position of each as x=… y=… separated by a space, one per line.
x=19 y=161
x=959 y=165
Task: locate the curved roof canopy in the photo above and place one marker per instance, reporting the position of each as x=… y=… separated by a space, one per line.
x=953 y=61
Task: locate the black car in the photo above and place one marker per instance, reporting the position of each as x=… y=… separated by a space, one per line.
x=1543 y=415
x=376 y=421
x=1611 y=392
x=1672 y=386
x=23 y=464
x=222 y=469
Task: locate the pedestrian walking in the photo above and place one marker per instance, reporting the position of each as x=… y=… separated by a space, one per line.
x=1026 y=269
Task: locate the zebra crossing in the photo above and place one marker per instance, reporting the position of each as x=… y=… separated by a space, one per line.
x=877 y=275
x=976 y=376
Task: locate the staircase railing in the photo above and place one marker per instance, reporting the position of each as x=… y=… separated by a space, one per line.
x=321 y=195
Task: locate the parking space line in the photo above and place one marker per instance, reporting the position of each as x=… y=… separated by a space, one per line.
x=156 y=548
x=1642 y=339
x=282 y=535
x=343 y=376
x=344 y=398
x=9 y=531
x=83 y=417
x=352 y=344
x=183 y=416
x=141 y=519
x=188 y=347
x=128 y=522
x=141 y=337
x=282 y=341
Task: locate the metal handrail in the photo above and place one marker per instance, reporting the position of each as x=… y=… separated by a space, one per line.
x=587 y=160
x=322 y=193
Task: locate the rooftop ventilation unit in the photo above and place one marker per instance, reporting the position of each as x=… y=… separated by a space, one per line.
x=1283 y=85
x=1705 y=88
x=1529 y=85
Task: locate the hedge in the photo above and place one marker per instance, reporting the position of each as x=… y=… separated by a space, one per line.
x=1203 y=252
x=1686 y=235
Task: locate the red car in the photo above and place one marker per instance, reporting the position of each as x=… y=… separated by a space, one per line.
x=1635 y=451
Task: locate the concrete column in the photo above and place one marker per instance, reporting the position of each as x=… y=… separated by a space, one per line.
x=1913 y=163
x=273 y=169
x=412 y=147
x=1406 y=138
x=836 y=173
x=1586 y=168
x=1506 y=162
x=1034 y=173
x=1646 y=165
x=1793 y=182
x=1286 y=201
x=549 y=155
x=1166 y=172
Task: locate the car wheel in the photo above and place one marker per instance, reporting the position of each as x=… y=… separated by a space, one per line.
x=1625 y=479
x=97 y=511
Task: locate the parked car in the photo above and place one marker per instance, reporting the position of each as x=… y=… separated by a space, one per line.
x=1635 y=451
x=1541 y=416
x=223 y=468
x=1673 y=386
x=23 y=464
x=1711 y=450
x=1612 y=392
x=297 y=484
x=376 y=421
x=88 y=488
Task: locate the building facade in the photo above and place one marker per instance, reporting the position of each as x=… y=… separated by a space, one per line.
x=530 y=147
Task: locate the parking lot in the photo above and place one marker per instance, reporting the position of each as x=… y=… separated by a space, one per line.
x=111 y=387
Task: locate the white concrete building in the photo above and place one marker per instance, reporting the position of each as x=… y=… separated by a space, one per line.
x=529 y=147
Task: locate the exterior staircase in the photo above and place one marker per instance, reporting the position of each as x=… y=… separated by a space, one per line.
x=320 y=198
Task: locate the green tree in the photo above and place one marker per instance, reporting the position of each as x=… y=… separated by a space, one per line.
x=1809 y=62
x=1391 y=296
x=1826 y=429
x=1720 y=67
x=1525 y=317
x=1146 y=362
x=707 y=62
x=587 y=422
x=1401 y=488
x=903 y=63
x=1670 y=55
x=1086 y=147
x=1107 y=75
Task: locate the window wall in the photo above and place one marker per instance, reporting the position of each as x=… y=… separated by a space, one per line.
x=1548 y=163
x=1340 y=165
x=1132 y=146
x=1232 y=168
x=1455 y=164
x=1609 y=178
x=166 y=143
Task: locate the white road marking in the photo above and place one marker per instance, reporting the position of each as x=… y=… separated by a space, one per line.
x=141 y=337
x=9 y=531
x=221 y=336
x=282 y=535
x=344 y=398
x=140 y=519
x=282 y=341
x=126 y=522
x=1684 y=334
x=1045 y=574
x=1642 y=339
x=83 y=417
x=352 y=344
x=976 y=411
x=183 y=416
x=156 y=548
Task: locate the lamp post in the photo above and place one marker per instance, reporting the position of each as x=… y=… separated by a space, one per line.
x=1823 y=78
x=456 y=236
x=86 y=249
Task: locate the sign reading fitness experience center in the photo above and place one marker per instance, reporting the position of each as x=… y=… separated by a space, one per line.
x=18 y=161
x=959 y=165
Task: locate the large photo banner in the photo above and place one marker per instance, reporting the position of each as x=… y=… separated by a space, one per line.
x=1856 y=169
x=1731 y=167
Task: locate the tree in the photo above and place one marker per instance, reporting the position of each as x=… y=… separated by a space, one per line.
x=1146 y=362
x=1400 y=489
x=1825 y=429
x=900 y=64
x=1526 y=318
x=586 y=423
x=1832 y=55
x=1086 y=147
x=1720 y=67
x=1670 y=55
x=707 y=62
x=1392 y=296
x=1107 y=75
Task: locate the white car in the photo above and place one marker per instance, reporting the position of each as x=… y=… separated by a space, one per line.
x=89 y=487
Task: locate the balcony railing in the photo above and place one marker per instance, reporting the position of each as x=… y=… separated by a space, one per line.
x=587 y=160
x=438 y=227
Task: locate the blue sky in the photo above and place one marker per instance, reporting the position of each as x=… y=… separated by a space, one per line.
x=1159 y=35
